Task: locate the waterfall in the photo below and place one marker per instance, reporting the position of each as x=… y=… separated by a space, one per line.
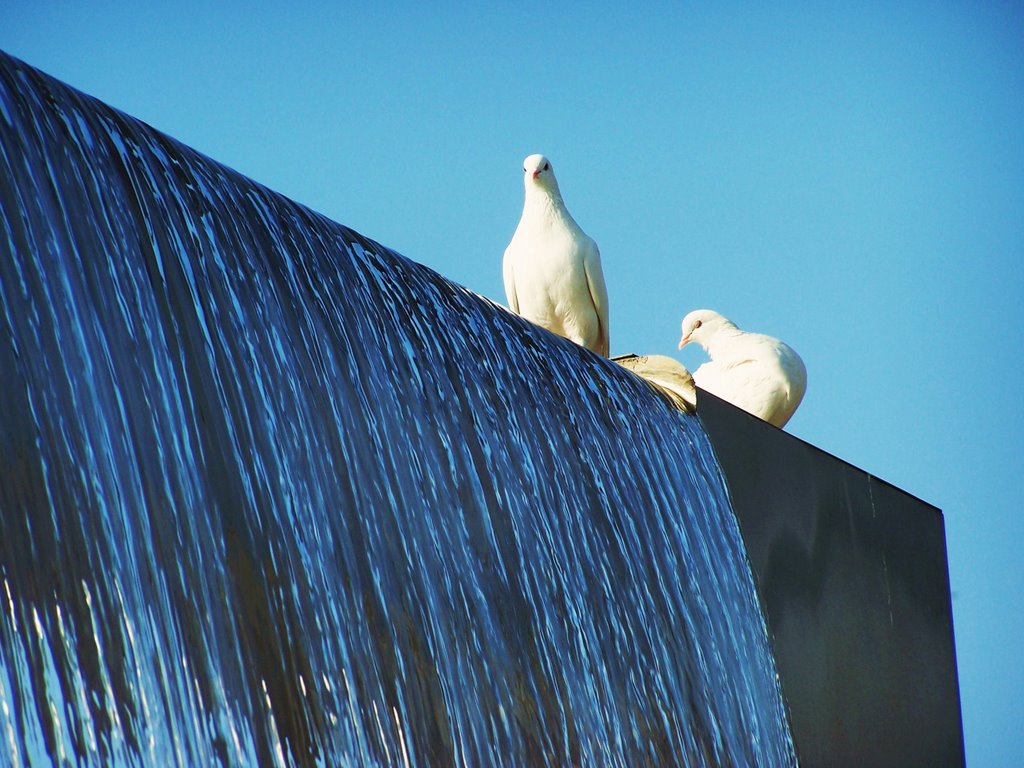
x=271 y=493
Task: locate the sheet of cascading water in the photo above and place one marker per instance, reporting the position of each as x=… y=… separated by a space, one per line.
x=273 y=494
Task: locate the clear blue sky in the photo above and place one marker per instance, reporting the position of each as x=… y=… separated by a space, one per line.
x=851 y=181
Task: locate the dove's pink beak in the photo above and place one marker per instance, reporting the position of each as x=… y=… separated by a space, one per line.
x=536 y=174
x=684 y=341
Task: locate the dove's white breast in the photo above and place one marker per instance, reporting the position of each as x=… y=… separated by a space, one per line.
x=549 y=263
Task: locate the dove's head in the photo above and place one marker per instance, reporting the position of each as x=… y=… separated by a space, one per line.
x=537 y=172
x=701 y=325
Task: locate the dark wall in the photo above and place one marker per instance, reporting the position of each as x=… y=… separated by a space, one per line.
x=853 y=578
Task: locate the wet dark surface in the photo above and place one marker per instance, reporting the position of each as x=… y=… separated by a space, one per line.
x=853 y=576
x=273 y=494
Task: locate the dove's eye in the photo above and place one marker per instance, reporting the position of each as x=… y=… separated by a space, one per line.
x=698 y=324
x=547 y=166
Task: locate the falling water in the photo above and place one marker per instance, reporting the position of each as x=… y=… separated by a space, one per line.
x=273 y=494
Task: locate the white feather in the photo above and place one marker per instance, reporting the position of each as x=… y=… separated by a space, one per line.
x=757 y=373
x=552 y=268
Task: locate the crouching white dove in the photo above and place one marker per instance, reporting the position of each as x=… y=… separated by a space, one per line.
x=757 y=373
x=552 y=268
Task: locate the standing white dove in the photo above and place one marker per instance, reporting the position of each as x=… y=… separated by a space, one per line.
x=552 y=268
x=757 y=373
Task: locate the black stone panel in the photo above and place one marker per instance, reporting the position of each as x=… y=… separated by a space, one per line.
x=853 y=578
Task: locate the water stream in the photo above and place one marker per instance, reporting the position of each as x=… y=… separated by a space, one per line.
x=271 y=493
